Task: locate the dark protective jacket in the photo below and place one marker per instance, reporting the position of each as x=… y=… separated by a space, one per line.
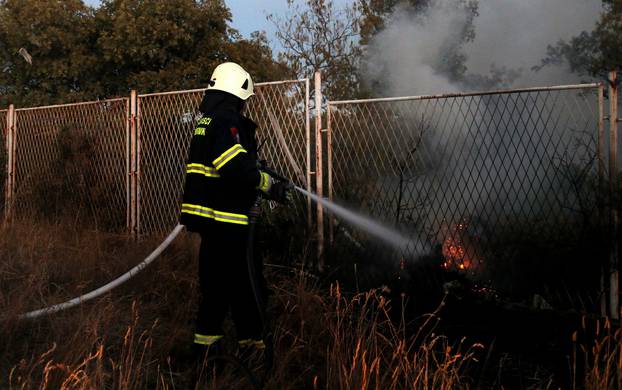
x=221 y=173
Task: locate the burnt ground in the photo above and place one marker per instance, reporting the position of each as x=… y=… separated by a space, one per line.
x=525 y=319
x=527 y=343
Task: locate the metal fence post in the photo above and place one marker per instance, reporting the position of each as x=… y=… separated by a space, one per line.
x=614 y=292
x=308 y=151
x=132 y=165
x=138 y=160
x=602 y=191
x=10 y=166
x=128 y=166
x=318 y=168
x=329 y=168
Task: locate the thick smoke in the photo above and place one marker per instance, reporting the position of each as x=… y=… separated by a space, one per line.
x=489 y=160
x=511 y=37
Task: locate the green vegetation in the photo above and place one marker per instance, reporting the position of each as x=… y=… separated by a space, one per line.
x=64 y=51
x=593 y=53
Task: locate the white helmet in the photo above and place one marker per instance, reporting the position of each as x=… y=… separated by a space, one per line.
x=231 y=77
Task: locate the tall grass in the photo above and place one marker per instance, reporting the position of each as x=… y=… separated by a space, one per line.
x=597 y=355
x=139 y=336
x=45 y=264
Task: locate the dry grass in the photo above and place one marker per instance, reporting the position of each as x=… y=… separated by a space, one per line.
x=93 y=345
x=597 y=360
x=139 y=335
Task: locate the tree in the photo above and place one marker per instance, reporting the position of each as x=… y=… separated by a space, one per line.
x=154 y=45
x=79 y=53
x=594 y=53
x=256 y=57
x=374 y=13
x=320 y=37
x=452 y=62
x=58 y=36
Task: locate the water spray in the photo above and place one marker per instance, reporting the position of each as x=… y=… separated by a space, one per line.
x=367 y=224
x=373 y=228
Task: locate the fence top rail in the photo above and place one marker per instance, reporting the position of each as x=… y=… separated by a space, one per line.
x=468 y=94
x=145 y=95
x=73 y=104
x=203 y=89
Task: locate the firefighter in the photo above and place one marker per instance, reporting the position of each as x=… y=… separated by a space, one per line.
x=222 y=183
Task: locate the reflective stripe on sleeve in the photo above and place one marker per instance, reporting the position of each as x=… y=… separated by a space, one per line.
x=202 y=170
x=230 y=153
x=206 y=339
x=220 y=216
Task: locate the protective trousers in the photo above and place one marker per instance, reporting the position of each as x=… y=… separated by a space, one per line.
x=226 y=285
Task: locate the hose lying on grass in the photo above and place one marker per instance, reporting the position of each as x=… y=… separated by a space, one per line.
x=105 y=288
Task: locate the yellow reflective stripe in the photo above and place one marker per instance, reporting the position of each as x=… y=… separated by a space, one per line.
x=197 y=210
x=228 y=155
x=206 y=340
x=202 y=170
x=220 y=216
x=264 y=182
x=256 y=343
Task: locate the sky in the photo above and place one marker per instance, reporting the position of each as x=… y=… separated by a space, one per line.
x=250 y=15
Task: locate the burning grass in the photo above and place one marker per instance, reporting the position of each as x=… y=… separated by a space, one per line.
x=139 y=335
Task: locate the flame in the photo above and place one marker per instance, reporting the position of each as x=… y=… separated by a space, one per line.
x=458 y=252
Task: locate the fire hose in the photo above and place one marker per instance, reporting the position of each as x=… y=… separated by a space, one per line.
x=107 y=287
x=137 y=269
x=157 y=252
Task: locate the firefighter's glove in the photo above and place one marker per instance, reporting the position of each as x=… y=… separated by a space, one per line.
x=281 y=192
x=278 y=191
x=265 y=183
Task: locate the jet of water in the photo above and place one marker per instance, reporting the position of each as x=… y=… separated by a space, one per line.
x=374 y=228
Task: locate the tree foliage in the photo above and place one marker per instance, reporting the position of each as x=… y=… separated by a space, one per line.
x=592 y=53
x=375 y=12
x=59 y=37
x=83 y=53
x=320 y=37
x=452 y=63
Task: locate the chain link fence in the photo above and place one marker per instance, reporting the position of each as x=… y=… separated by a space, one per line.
x=506 y=189
x=166 y=123
x=70 y=161
x=120 y=163
x=499 y=187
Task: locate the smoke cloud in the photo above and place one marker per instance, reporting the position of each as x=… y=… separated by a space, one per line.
x=511 y=37
x=489 y=160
